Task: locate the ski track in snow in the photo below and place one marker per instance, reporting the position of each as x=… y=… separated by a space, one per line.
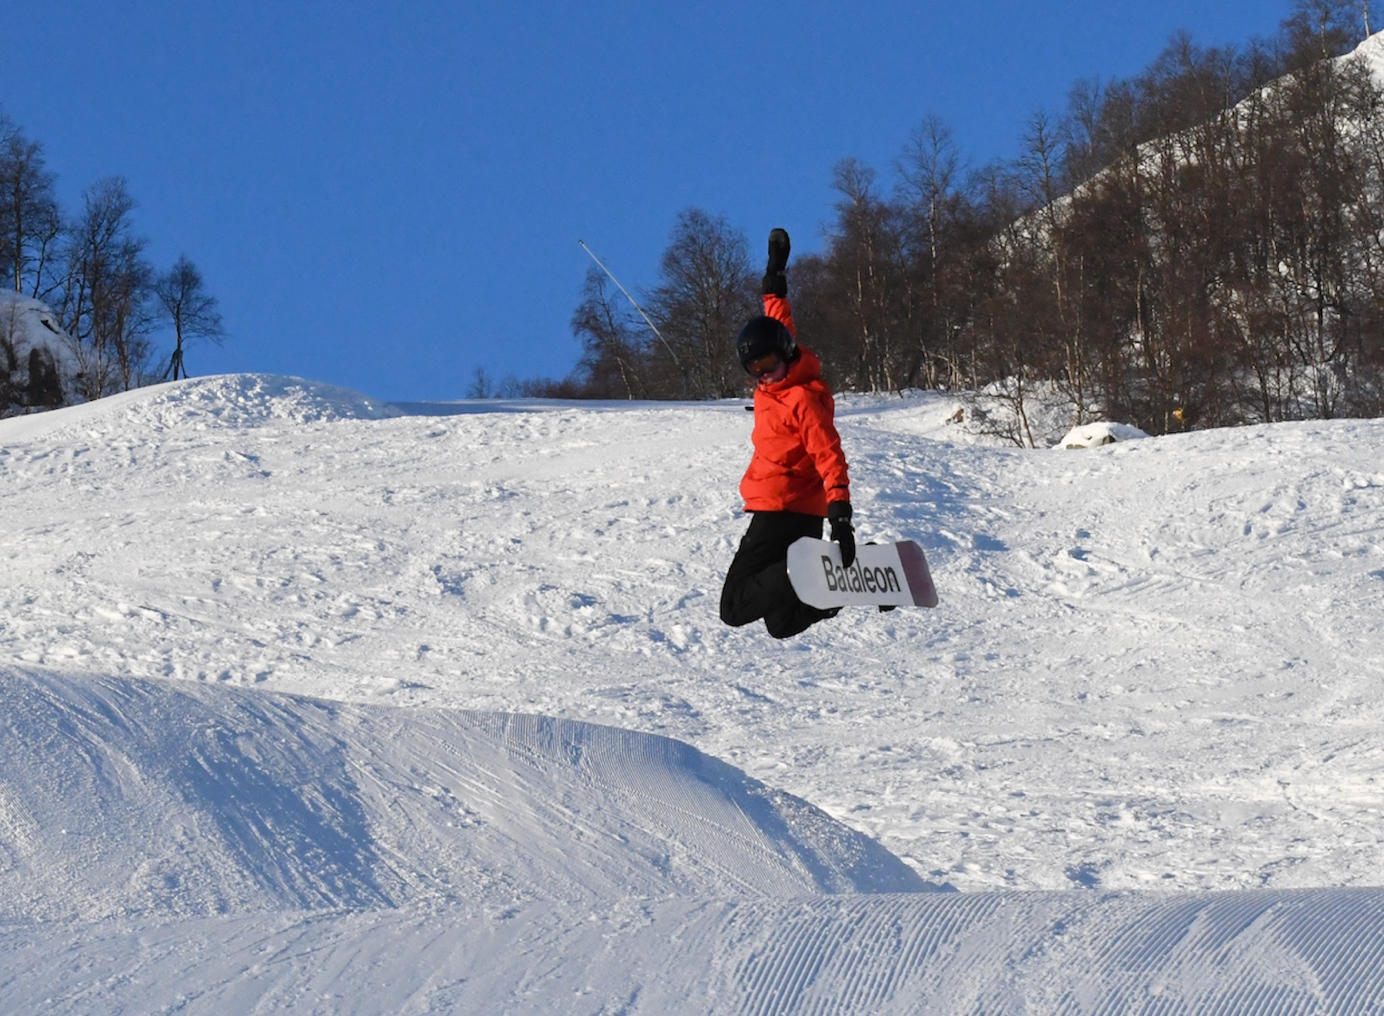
x=1155 y=666
x=1155 y=663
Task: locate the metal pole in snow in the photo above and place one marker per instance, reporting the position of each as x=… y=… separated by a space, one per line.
x=631 y=299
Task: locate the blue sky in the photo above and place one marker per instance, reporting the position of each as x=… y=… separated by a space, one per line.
x=387 y=195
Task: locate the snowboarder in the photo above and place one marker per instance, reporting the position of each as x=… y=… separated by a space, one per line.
x=797 y=476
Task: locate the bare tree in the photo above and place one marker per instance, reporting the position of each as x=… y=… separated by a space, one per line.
x=869 y=275
x=704 y=299
x=932 y=214
x=482 y=385
x=11 y=378
x=189 y=308
x=1321 y=29
x=29 y=219
x=104 y=305
x=614 y=356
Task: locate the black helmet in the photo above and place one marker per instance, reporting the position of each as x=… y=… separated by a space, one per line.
x=764 y=335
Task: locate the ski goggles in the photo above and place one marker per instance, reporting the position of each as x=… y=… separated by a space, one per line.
x=762 y=365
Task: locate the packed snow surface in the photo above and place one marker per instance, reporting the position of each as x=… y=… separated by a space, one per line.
x=1155 y=666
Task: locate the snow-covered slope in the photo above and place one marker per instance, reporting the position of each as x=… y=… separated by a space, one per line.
x=1156 y=666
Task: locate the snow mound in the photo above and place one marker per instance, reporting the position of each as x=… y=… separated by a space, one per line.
x=124 y=797
x=1093 y=435
x=247 y=400
x=221 y=401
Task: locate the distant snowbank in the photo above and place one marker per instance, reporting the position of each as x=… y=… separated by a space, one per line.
x=222 y=400
x=242 y=401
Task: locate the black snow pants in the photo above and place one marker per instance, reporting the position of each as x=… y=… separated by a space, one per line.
x=757 y=583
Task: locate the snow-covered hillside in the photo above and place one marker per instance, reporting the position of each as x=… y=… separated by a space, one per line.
x=1156 y=666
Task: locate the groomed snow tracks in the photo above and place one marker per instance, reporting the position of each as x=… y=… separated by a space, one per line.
x=1245 y=953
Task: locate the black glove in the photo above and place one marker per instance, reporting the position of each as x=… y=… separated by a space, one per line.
x=775 y=280
x=839 y=515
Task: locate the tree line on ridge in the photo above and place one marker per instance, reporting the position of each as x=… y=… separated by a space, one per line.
x=1199 y=245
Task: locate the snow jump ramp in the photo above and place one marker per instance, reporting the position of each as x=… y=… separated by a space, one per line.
x=172 y=846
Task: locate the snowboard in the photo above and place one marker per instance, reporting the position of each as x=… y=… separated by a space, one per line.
x=883 y=574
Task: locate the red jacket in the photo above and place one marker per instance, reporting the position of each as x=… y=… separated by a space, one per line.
x=798 y=465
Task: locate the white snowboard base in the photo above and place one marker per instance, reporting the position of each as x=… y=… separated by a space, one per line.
x=883 y=574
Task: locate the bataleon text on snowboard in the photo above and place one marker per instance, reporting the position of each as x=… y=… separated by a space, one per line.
x=883 y=574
